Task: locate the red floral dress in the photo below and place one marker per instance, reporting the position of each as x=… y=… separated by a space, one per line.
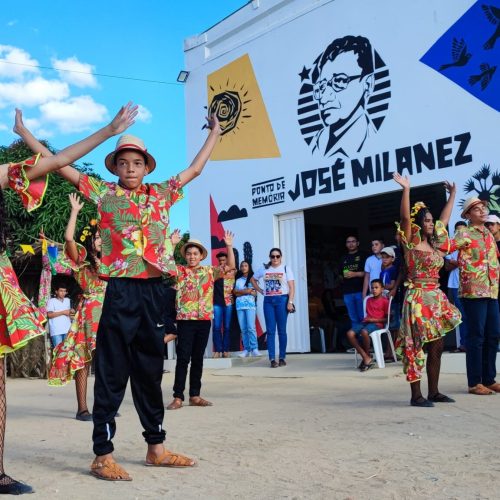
x=20 y=321
x=76 y=350
x=427 y=313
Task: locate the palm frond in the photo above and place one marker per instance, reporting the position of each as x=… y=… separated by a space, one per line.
x=470 y=186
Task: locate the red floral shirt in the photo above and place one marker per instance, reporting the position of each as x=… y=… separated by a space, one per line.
x=195 y=290
x=478 y=263
x=133 y=225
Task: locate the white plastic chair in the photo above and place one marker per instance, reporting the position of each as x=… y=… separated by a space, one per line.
x=376 y=337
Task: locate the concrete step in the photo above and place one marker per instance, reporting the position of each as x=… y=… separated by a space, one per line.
x=219 y=363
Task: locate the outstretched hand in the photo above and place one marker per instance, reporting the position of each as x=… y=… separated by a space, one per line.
x=213 y=124
x=75 y=202
x=228 y=238
x=124 y=118
x=18 y=122
x=175 y=237
x=404 y=182
x=450 y=187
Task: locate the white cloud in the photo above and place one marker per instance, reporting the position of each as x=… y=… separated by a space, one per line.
x=32 y=123
x=32 y=93
x=24 y=64
x=143 y=114
x=3 y=126
x=73 y=115
x=12 y=23
x=75 y=72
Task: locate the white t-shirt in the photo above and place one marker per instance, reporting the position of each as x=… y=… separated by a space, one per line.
x=61 y=324
x=275 y=279
x=454 y=276
x=373 y=265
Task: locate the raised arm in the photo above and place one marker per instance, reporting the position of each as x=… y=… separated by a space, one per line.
x=200 y=160
x=69 y=173
x=123 y=120
x=447 y=209
x=404 y=212
x=228 y=240
x=69 y=235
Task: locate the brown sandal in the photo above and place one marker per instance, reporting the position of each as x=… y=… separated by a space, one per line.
x=174 y=460
x=176 y=404
x=109 y=470
x=197 y=401
x=480 y=390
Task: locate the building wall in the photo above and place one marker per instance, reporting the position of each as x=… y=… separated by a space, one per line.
x=256 y=69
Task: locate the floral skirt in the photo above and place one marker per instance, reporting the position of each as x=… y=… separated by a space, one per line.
x=78 y=346
x=427 y=316
x=20 y=321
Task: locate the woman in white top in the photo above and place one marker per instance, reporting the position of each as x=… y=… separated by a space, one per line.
x=245 y=291
x=279 y=292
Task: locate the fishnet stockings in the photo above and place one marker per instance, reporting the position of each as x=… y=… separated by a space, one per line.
x=81 y=377
x=3 y=413
x=4 y=479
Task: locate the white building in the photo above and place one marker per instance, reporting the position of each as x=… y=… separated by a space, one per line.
x=320 y=101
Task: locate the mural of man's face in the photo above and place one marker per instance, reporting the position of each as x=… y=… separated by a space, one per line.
x=337 y=92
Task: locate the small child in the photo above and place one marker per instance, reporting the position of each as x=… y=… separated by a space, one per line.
x=389 y=271
x=377 y=307
x=59 y=312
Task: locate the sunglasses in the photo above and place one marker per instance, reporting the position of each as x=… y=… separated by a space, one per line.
x=275 y=256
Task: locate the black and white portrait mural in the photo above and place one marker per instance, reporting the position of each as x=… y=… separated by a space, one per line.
x=344 y=97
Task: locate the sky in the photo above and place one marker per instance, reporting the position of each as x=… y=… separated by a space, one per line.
x=141 y=40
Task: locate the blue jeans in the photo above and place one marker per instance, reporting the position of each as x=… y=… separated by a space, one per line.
x=57 y=339
x=246 y=319
x=275 y=314
x=457 y=301
x=354 y=305
x=222 y=316
x=482 y=340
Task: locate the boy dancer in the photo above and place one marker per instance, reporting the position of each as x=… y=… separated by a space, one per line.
x=194 y=304
x=20 y=322
x=133 y=223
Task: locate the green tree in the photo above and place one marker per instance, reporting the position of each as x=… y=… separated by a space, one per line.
x=53 y=215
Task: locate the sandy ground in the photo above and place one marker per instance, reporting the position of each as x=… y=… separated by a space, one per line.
x=314 y=429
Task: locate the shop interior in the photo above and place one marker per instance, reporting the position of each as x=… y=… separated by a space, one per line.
x=327 y=228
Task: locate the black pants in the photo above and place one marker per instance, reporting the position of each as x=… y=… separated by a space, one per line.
x=129 y=344
x=192 y=339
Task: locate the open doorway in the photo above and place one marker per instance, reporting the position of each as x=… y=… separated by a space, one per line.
x=326 y=230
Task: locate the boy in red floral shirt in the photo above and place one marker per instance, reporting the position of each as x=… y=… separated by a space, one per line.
x=194 y=304
x=133 y=220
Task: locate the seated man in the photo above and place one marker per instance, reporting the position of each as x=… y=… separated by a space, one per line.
x=377 y=307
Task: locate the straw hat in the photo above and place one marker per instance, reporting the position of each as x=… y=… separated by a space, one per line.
x=194 y=243
x=133 y=143
x=472 y=202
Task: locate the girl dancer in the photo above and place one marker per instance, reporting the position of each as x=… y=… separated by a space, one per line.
x=427 y=314
x=72 y=357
